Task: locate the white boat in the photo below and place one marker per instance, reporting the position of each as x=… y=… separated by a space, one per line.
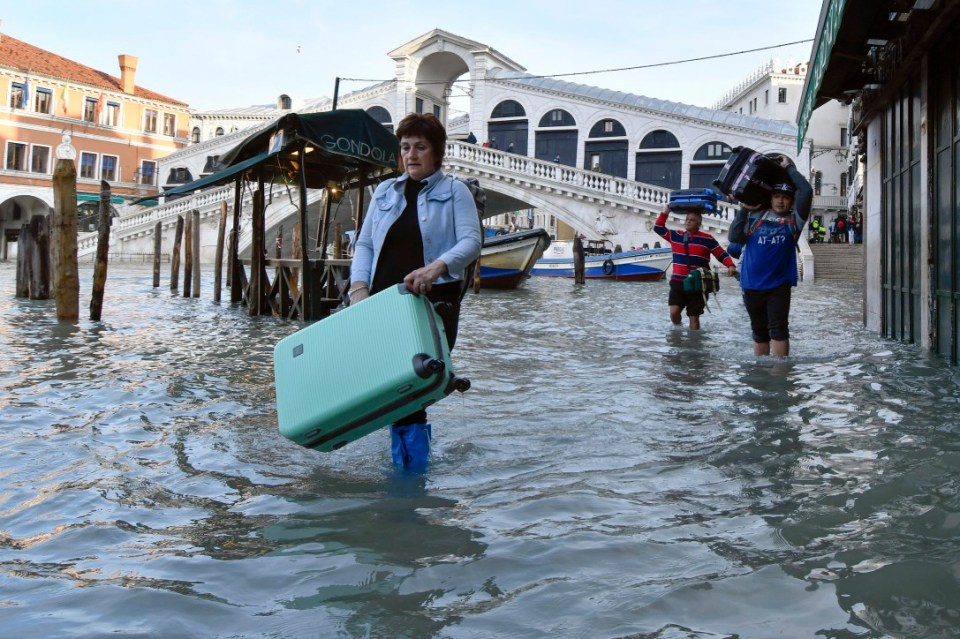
x=506 y=260
x=601 y=263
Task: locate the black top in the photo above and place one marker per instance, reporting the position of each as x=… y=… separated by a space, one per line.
x=402 y=250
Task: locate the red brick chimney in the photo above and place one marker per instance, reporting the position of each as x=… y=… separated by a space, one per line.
x=128 y=68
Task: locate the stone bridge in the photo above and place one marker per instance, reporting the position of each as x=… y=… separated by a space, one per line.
x=597 y=205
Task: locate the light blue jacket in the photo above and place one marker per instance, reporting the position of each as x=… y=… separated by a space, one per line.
x=448 y=224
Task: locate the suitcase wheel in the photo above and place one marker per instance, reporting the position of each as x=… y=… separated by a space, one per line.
x=425 y=366
x=460 y=384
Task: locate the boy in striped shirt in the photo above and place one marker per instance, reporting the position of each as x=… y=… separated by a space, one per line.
x=692 y=249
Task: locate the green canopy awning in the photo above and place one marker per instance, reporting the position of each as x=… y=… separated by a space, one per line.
x=342 y=146
x=214 y=179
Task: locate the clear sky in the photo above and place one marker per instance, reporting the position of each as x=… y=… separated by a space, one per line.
x=231 y=53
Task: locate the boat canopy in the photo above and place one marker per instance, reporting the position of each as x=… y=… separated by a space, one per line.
x=342 y=147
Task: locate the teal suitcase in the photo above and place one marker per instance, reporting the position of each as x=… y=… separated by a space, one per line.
x=361 y=369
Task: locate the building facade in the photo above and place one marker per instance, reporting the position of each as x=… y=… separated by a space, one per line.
x=653 y=141
x=897 y=62
x=774 y=91
x=120 y=132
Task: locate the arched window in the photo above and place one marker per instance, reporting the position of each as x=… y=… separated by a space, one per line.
x=659 y=160
x=380 y=114
x=713 y=151
x=284 y=103
x=707 y=163
x=508 y=109
x=659 y=139
x=179 y=175
x=219 y=131
x=557 y=117
x=607 y=128
x=195 y=135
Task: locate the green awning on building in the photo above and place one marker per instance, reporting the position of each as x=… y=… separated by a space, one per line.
x=226 y=175
x=90 y=197
x=830 y=20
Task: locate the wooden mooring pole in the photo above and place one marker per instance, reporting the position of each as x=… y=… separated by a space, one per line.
x=103 y=252
x=66 y=277
x=157 y=238
x=188 y=255
x=33 y=259
x=257 y=305
x=175 y=255
x=218 y=260
x=579 y=262
x=195 y=242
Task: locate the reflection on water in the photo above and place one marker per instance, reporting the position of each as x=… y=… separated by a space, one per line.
x=607 y=475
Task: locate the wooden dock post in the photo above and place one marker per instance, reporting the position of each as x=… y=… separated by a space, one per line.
x=24 y=251
x=157 y=229
x=579 y=262
x=218 y=260
x=66 y=277
x=296 y=254
x=195 y=243
x=33 y=259
x=233 y=279
x=103 y=253
x=255 y=297
x=175 y=255
x=187 y=255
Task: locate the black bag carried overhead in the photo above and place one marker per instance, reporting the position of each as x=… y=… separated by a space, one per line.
x=749 y=176
x=700 y=200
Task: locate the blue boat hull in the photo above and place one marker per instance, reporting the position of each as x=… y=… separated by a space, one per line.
x=630 y=266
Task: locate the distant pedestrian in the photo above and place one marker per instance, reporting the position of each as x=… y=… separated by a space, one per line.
x=596 y=168
x=556 y=160
x=510 y=148
x=486 y=144
x=471 y=139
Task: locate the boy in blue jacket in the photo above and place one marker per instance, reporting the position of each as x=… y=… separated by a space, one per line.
x=768 y=268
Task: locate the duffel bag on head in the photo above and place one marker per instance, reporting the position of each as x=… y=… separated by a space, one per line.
x=749 y=176
x=703 y=200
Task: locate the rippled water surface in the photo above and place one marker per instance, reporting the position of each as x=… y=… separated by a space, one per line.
x=606 y=476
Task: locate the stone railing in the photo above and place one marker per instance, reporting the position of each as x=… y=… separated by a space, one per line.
x=623 y=191
x=141 y=221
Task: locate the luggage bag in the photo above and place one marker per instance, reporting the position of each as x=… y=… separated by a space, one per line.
x=361 y=369
x=700 y=200
x=749 y=176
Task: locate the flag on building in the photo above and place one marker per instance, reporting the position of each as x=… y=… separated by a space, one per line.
x=25 y=94
x=63 y=99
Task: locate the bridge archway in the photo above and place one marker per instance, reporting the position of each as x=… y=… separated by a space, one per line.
x=15 y=211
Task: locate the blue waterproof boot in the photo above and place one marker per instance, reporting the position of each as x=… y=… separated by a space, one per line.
x=410 y=446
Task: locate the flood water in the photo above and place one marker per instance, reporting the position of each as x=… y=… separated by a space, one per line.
x=606 y=476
